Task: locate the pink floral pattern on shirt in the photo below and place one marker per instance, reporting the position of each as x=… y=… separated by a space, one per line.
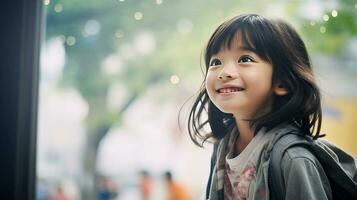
x=236 y=184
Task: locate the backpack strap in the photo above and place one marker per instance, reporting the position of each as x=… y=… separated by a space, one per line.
x=341 y=172
x=275 y=177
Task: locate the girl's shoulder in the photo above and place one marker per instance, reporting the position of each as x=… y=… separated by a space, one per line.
x=298 y=157
x=298 y=153
x=304 y=175
x=308 y=166
x=294 y=149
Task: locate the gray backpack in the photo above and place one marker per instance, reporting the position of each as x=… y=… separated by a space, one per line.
x=341 y=171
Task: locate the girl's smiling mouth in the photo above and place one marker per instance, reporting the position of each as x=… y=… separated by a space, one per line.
x=227 y=89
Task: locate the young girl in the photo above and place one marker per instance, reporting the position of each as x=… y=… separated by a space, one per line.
x=258 y=85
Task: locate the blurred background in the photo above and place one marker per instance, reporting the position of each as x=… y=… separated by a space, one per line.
x=115 y=73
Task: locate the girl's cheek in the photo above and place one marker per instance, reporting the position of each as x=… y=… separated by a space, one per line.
x=207 y=85
x=210 y=80
x=208 y=77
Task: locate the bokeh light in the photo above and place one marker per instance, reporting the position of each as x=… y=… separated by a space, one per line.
x=58 y=8
x=138 y=15
x=92 y=27
x=144 y=43
x=334 y=13
x=46 y=2
x=71 y=40
x=322 y=29
x=174 y=79
x=325 y=17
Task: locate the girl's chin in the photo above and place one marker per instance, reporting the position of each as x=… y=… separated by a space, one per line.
x=228 y=109
x=236 y=111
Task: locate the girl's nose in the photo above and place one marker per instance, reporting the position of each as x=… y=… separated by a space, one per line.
x=227 y=73
x=225 y=76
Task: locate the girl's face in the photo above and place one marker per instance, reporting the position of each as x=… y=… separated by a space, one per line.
x=238 y=81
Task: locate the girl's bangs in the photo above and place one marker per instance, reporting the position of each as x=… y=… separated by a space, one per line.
x=253 y=38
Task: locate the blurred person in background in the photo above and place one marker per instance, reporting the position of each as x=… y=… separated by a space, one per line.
x=176 y=191
x=107 y=189
x=43 y=189
x=145 y=184
x=59 y=193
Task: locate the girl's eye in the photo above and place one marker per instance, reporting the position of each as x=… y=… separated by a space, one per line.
x=245 y=59
x=215 y=62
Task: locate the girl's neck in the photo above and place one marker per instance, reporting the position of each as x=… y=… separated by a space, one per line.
x=246 y=134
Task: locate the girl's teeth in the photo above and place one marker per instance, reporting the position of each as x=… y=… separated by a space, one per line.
x=227 y=90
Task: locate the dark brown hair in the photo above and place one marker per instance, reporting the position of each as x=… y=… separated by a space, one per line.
x=279 y=44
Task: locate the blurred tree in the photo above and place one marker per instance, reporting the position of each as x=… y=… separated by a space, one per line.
x=153 y=40
x=333 y=30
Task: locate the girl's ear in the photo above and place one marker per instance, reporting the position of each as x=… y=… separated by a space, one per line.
x=279 y=89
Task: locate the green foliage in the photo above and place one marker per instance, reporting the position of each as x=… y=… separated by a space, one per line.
x=331 y=36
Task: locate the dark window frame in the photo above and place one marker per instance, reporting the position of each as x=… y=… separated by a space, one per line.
x=21 y=29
